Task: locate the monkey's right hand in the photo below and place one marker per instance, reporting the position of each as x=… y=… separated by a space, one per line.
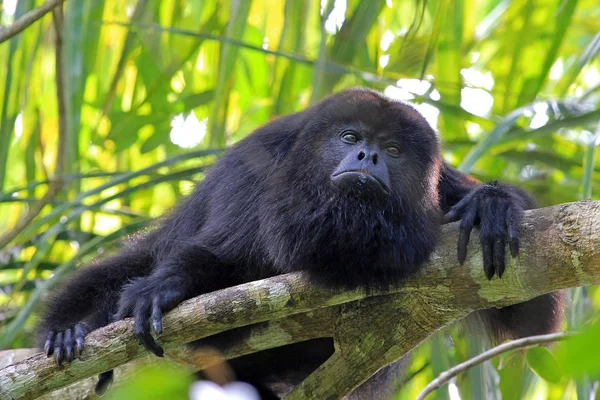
x=66 y=344
x=146 y=299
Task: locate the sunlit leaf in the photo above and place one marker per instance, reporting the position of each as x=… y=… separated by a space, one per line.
x=580 y=355
x=155 y=383
x=543 y=363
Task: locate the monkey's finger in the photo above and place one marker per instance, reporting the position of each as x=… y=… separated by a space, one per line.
x=452 y=216
x=466 y=226
x=59 y=354
x=487 y=234
x=156 y=316
x=457 y=210
x=463 y=240
x=129 y=299
x=493 y=211
x=488 y=258
x=499 y=256
x=150 y=345
x=141 y=327
x=49 y=344
x=513 y=244
x=69 y=345
x=125 y=310
x=494 y=226
x=80 y=332
x=513 y=221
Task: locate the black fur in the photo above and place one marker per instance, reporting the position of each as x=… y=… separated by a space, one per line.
x=271 y=205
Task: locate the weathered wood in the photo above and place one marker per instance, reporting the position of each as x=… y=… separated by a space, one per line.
x=560 y=248
x=231 y=344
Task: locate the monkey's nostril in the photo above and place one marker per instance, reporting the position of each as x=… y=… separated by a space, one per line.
x=375 y=157
x=361 y=155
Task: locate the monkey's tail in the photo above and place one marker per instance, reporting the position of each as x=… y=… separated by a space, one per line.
x=538 y=316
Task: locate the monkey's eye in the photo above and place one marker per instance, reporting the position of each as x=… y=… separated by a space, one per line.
x=350 y=138
x=393 y=151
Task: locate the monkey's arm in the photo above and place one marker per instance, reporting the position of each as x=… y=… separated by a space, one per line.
x=189 y=271
x=497 y=209
x=86 y=302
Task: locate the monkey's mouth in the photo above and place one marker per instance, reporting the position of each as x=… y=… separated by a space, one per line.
x=361 y=178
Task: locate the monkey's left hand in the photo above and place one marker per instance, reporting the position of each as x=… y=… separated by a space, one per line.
x=497 y=209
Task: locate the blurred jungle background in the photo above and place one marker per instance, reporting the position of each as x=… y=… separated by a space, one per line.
x=154 y=90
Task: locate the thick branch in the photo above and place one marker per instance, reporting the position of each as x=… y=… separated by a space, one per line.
x=560 y=249
x=230 y=344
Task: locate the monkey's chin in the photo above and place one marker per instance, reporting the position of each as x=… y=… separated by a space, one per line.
x=360 y=181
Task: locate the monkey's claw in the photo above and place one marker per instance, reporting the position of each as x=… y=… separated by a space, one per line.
x=145 y=300
x=49 y=344
x=497 y=211
x=65 y=345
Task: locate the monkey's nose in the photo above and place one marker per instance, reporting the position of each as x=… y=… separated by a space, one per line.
x=372 y=156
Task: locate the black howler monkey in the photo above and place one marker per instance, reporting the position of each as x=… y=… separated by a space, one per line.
x=352 y=191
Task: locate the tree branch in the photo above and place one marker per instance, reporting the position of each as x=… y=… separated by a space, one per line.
x=446 y=376
x=27 y=19
x=560 y=249
x=230 y=344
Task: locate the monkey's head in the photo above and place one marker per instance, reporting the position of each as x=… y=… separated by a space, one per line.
x=373 y=148
x=355 y=200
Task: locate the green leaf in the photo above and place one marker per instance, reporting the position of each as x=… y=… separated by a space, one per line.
x=564 y=13
x=587 y=56
x=590 y=163
x=122 y=178
x=580 y=355
x=440 y=360
x=228 y=57
x=156 y=139
x=351 y=37
x=544 y=364
x=506 y=358
x=198 y=99
x=155 y=383
x=489 y=140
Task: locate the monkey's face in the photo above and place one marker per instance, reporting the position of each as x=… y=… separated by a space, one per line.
x=370 y=147
x=364 y=167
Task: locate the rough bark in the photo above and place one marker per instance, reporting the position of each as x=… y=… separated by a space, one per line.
x=560 y=249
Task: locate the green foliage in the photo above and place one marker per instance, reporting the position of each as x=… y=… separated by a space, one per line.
x=544 y=364
x=154 y=383
x=580 y=355
x=512 y=86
